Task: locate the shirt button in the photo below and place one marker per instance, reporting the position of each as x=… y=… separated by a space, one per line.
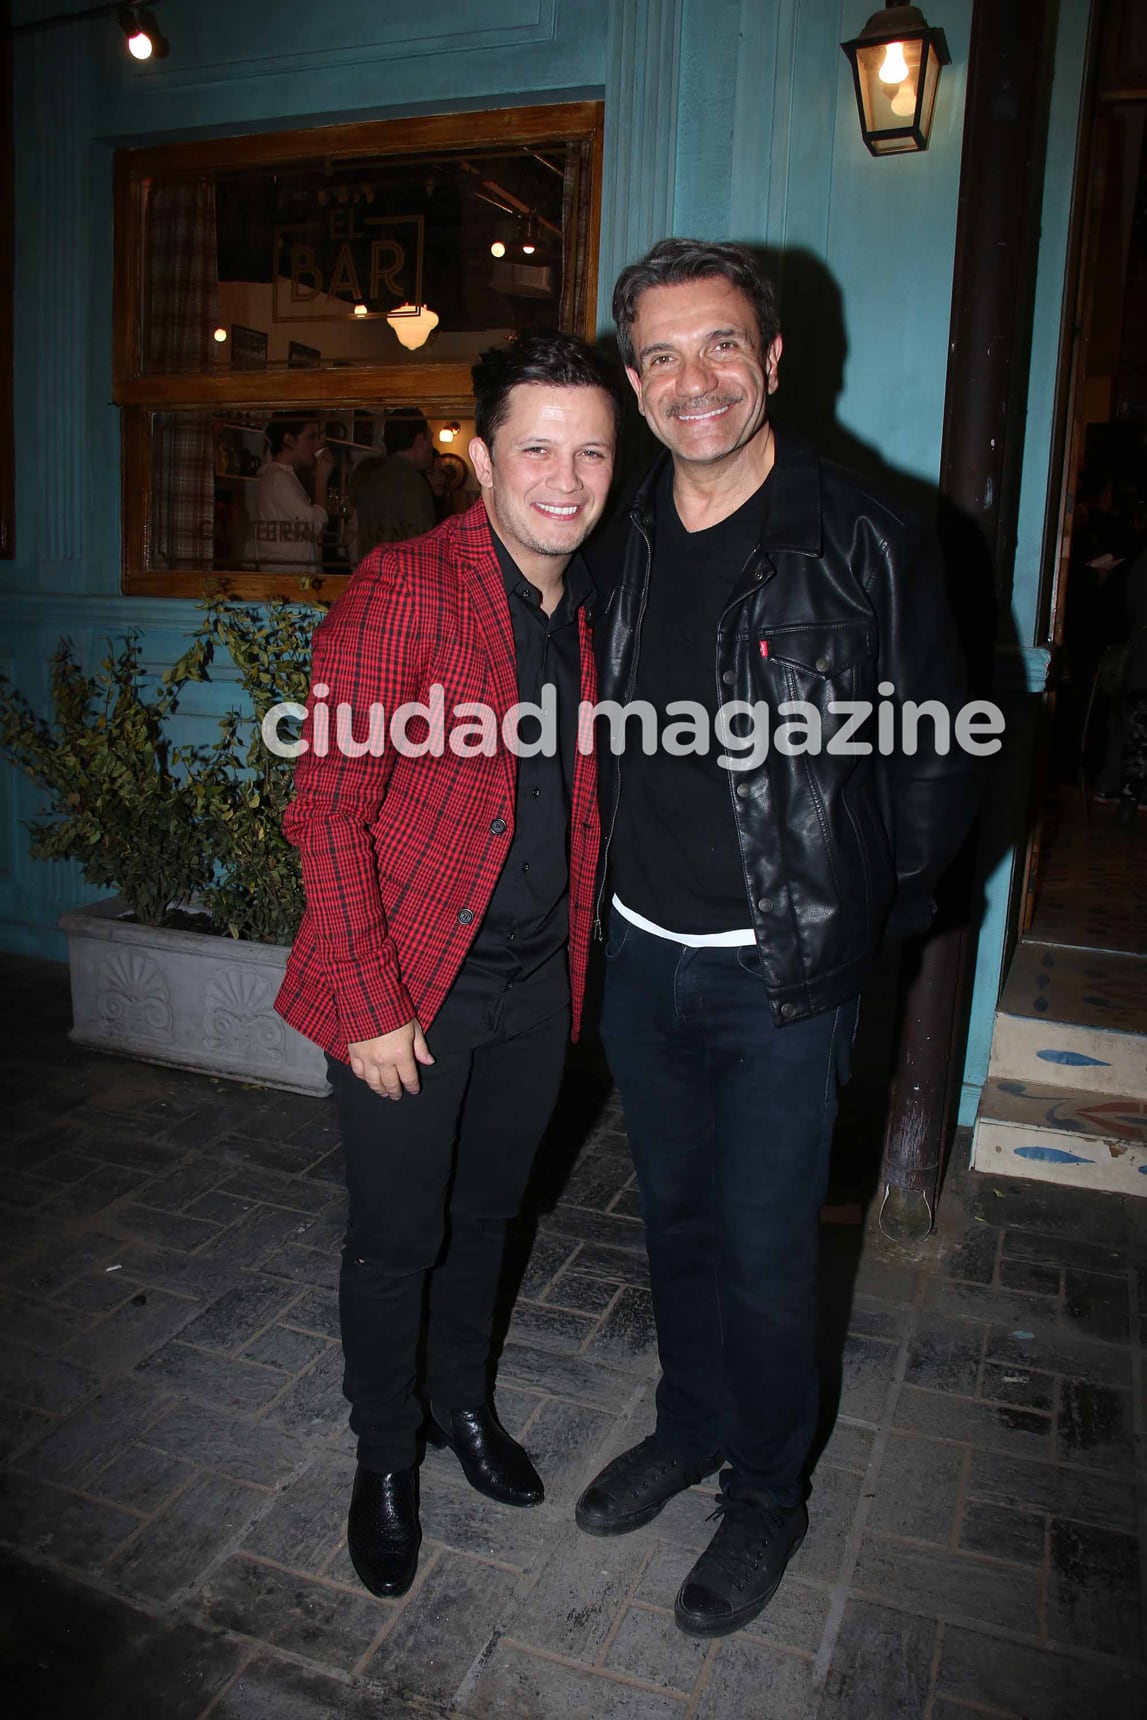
x=465 y=916
x=728 y=677
x=788 y=1009
x=765 y=904
x=510 y=937
x=823 y=665
x=525 y=865
x=498 y=827
x=534 y=793
x=742 y=791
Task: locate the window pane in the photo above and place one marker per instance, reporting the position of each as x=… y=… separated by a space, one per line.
x=301 y=489
x=362 y=262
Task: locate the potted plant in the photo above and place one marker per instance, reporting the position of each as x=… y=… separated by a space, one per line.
x=182 y=965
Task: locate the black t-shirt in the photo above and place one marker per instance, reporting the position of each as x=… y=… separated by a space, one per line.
x=676 y=859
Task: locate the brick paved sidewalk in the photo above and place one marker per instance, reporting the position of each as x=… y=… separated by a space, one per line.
x=176 y=1463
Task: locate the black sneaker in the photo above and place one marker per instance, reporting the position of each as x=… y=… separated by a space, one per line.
x=632 y=1489
x=741 y=1568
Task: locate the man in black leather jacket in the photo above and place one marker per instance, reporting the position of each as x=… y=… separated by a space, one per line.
x=751 y=887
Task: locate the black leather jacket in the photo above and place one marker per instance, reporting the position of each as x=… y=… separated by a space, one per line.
x=844 y=593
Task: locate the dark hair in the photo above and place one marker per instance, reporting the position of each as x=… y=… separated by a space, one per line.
x=673 y=262
x=536 y=355
x=403 y=427
x=284 y=424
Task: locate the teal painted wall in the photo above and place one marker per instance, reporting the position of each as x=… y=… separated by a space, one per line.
x=726 y=118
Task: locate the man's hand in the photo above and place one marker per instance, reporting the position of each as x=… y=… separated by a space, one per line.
x=389 y=1064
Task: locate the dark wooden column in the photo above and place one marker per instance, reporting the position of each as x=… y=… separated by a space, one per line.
x=1001 y=183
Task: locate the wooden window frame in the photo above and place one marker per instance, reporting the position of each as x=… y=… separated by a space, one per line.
x=140 y=394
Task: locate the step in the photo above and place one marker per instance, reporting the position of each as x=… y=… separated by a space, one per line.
x=1085 y=1139
x=1073 y=1010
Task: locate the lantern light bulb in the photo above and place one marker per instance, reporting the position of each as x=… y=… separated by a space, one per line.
x=139 y=46
x=904 y=101
x=360 y=310
x=894 y=67
x=497 y=249
x=220 y=334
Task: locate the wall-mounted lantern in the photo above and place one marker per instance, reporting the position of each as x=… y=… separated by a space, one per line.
x=896 y=63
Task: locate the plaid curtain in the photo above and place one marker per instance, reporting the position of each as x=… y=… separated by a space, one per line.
x=575 y=230
x=181 y=311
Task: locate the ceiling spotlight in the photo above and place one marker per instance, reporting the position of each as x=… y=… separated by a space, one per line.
x=497 y=249
x=144 y=38
x=219 y=334
x=360 y=310
x=530 y=242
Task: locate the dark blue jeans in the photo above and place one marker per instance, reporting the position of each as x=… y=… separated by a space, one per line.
x=729 y=1121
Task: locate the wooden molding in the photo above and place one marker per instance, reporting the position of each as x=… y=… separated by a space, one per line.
x=419 y=135
x=358 y=385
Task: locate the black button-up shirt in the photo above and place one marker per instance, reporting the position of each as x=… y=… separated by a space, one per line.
x=527 y=921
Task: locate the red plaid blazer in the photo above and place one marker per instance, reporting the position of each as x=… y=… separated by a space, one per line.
x=400 y=855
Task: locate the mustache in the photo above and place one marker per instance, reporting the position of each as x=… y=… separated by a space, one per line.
x=709 y=404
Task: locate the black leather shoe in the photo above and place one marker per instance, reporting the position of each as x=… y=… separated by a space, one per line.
x=493 y=1463
x=382 y=1530
x=741 y=1568
x=633 y=1488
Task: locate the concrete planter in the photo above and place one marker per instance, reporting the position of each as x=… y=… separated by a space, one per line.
x=191 y=999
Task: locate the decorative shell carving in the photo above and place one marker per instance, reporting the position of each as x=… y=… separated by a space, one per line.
x=134 y=1000
x=238 y=1017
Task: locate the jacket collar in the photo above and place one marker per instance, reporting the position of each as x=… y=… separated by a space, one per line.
x=475 y=539
x=482 y=576
x=793 y=520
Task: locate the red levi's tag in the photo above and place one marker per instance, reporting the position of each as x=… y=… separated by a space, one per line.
x=764 y=647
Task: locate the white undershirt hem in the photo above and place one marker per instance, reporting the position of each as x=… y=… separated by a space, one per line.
x=692 y=940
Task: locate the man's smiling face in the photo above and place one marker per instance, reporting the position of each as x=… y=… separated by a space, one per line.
x=546 y=479
x=701 y=381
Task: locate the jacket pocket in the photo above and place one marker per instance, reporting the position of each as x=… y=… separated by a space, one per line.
x=824 y=650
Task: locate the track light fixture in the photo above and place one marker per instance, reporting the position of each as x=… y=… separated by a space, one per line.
x=145 y=40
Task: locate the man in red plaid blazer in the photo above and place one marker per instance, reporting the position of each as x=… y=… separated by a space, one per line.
x=447 y=821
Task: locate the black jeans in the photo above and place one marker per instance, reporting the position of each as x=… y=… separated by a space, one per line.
x=432 y=1180
x=730 y=1122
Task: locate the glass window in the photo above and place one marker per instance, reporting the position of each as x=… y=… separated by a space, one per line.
x=323 y=281
x=300 y=491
